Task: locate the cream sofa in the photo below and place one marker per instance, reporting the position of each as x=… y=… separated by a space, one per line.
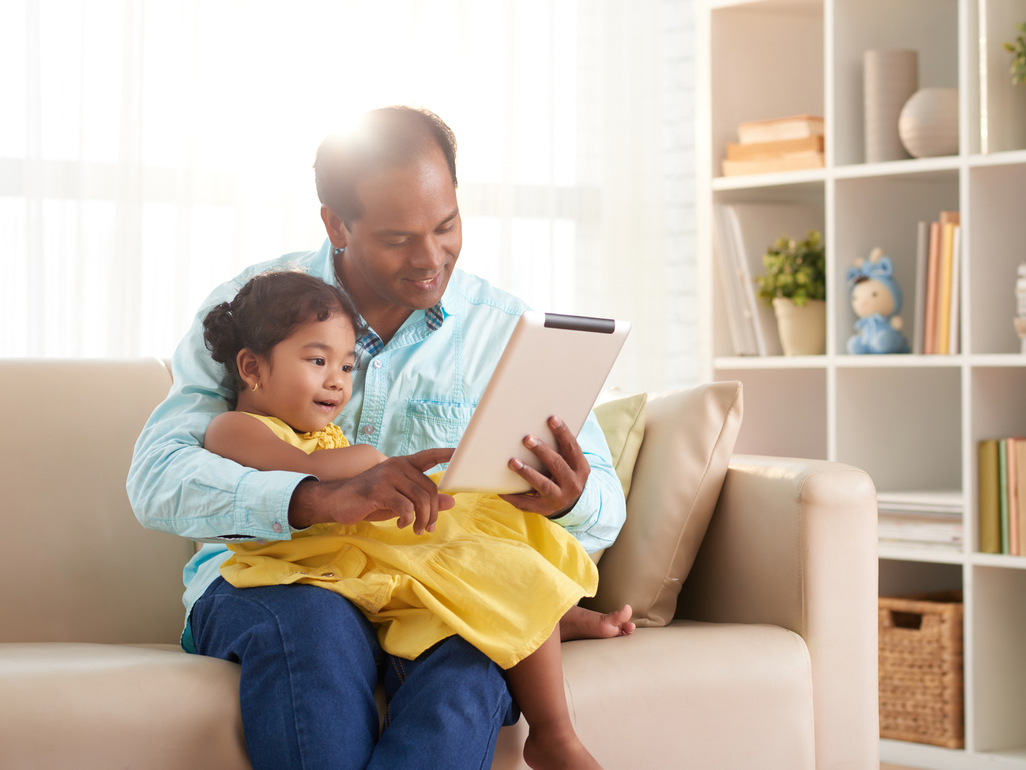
x=770 y=662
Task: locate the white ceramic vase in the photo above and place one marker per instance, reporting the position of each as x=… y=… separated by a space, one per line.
x=928 y=124
x=802 y=329
x=889 y=79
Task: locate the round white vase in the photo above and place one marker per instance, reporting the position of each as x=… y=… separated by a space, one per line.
x=928 y=124
x=802 y=329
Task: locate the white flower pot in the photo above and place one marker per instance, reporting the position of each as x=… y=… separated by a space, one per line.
x=802 y=329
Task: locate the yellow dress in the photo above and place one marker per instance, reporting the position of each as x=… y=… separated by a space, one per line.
x=497 y=576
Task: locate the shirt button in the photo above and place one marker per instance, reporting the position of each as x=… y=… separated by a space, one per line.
x=377 y=364
x=276 y=527
x=368 y=429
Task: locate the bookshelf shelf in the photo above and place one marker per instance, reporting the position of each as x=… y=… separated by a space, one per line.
x=934 y=555
x=911 y=421
x=908 y=361
x=782 y=178
x=998 y=560
x=1009 y=158
x=771 y=362
x=898 y=167
x=998 y=359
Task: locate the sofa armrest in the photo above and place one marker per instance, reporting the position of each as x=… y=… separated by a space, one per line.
x=793 y=543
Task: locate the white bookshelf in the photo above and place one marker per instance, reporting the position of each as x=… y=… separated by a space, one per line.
x=912 y=422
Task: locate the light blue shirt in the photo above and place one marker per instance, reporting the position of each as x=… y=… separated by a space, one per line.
x=416 y=393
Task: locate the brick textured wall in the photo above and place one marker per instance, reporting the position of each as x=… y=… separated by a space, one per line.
x=679 y=144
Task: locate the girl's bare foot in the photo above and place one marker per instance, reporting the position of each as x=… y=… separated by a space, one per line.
x=579 y=623
x=557 y=750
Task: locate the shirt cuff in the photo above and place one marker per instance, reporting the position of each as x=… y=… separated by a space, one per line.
x=262 y=500
x=583 y=509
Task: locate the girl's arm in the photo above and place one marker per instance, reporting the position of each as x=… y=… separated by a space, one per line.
x=249 y=442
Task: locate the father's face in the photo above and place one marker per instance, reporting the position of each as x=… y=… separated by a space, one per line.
x=404 y=247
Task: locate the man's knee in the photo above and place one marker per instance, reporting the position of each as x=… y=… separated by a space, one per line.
x=296 y=619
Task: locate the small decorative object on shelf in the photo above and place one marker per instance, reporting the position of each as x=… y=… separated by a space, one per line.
x=795 y=285
x=928 y=124
x=890 y=78
x=876 y=300
x=1020 y=307
x=1018 y=68
x=781 y=144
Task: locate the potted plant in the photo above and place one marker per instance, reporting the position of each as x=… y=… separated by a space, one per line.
x=795 y=286
x=1018 y=68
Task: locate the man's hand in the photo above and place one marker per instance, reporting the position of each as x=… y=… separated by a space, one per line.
x=568 y=469
x=394 y=489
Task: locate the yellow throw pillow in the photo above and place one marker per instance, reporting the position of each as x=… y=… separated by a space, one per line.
x=622 y=420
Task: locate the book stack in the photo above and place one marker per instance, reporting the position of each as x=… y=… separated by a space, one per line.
x=783 y=144
x=744 y=232
x=920 y=519
x=1002 y=501
x=938 y=270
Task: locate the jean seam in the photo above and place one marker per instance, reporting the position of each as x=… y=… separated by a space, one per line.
x=288 y=663
x=399 y=671
x=494 y=735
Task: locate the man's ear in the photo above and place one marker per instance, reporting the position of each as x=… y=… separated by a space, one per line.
x=250 y=368
x=335 y=227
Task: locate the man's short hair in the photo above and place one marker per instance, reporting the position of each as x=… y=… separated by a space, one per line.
x=383 y=138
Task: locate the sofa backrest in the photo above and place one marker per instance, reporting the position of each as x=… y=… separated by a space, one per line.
x=76 y=564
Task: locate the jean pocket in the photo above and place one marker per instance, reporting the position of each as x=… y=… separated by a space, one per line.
x=431 y=424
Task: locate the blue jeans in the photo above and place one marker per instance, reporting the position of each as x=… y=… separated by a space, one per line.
x=310 y=661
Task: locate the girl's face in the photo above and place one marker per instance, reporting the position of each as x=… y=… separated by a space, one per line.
x=307 y=378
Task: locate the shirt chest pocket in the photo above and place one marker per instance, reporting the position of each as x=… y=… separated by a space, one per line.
x=431 y=424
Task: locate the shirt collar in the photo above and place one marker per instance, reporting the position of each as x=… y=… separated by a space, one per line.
x=369 y=341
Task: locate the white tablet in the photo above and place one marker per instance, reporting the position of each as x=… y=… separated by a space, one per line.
x=552 y=365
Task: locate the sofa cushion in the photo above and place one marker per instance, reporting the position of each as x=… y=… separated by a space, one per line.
x=100 y=706
x=688 y=695
x=689 y=437
x=88 y=571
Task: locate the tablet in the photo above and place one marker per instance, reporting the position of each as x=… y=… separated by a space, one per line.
x=552 y=365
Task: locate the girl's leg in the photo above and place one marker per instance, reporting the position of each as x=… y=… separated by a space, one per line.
x=537 y=686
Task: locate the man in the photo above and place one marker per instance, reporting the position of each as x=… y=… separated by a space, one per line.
x=310 y=660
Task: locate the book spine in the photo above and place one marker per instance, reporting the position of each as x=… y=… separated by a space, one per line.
x=919 y=309
x=1003 y=491
x=746 y=281
x=932 y=282
x=954 y=341
x=944 y=298
x=989 y=505
x=1020 y=488
x=1011 y=474
x=728 y=279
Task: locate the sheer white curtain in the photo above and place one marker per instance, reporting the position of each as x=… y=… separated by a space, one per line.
x=150 y=149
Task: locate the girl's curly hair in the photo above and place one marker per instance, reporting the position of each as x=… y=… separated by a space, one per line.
x=266 y=311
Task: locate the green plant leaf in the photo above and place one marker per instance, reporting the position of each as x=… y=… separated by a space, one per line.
x=795 y=270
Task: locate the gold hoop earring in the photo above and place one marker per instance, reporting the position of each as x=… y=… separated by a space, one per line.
x=256 y=385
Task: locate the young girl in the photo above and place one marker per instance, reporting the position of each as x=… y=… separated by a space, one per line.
x=499 y=577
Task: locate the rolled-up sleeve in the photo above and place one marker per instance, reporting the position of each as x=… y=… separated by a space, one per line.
x=176 y=486
x=600 y=512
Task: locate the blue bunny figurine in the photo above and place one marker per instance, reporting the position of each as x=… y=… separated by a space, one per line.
x=876 y=300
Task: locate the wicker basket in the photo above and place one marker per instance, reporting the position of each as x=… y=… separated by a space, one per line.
x=921 y=669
